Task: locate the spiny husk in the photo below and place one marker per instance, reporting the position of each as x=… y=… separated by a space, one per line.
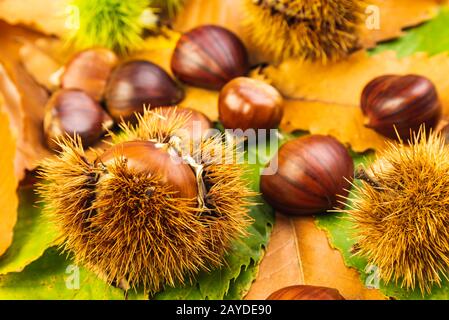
x=153 y=126
x=114 y=24
x=401 y=214
x=169 y=8
x=222 y=177
x=310 y=29
x=127 y=225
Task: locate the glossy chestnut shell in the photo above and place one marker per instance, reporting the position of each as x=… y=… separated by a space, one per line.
x=401 y=102
x=146 y=157
x=249 y=103
x=312 y=173
x=209 y=56
x=134 y=84
x=306 y=292
x=71 y=111
x=89 y=71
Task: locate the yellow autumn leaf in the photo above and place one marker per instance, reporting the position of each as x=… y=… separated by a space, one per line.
x=406 y=13
x=48 y=16
x=8 y=181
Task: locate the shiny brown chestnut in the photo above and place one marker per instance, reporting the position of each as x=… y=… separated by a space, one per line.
x=197 y=125
x=306 y=292
x=401 y=102
x=209 y=56
x=71 y=111
x=134 y=84
x=89 y=71
x=249 y=103
x=146 y=157
x=312 y=173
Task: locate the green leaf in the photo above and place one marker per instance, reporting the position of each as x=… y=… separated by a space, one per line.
x=431 y=37
x=33 y=234
x=240 y=286
x=54 y=276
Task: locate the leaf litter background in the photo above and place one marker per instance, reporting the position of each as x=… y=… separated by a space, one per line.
x=298 y=252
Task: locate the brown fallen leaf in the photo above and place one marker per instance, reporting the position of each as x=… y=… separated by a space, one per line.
x=8 y=181
x=324 y=266
x=231 y=14
x=40 y=65
x=282 y=265
x=325 y=99
x=25 y=99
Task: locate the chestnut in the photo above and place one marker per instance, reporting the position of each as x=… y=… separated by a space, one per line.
x=198 y=124
x=400 y=103
x=209 y=56
x=249 y=103
x=147 y=157
x=306 y=292
x=71 y=111
x=312 y=172
x=136 y=83
x=89 y=71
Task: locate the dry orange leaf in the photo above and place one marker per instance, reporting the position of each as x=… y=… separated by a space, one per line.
x=325 y=99
x=8 y=181
x=324 y=266
x=25 y=99
x=281 y=265
x=231 y=14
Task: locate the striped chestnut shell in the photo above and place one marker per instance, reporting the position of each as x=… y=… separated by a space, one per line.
x=393 y=103
x=306 y=292
x=89 y=71
x=313 y=172
x=73 y=111
x=208 y=57
x=136 y=83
